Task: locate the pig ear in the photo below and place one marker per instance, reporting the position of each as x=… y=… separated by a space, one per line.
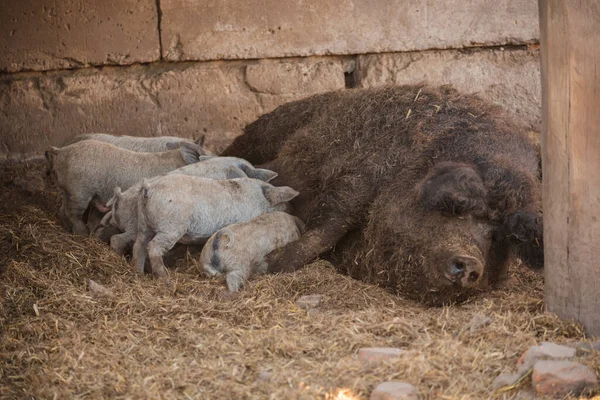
x=453 y=188
x=200 y=140
x=234 y=172
x=205 y=157
x=265 y=175
x=190 y=152
x=277 y=195
x=225 y=239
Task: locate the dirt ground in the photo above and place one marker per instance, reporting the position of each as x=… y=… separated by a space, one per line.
x=60 y=338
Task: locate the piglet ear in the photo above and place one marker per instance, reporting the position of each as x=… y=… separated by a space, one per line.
x=265 y=175
x=190 y=152
x=225 y=239
x=233 y=172
x=453 y=188
x=277 y=195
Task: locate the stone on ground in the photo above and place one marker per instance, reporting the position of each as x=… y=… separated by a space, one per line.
x=560 y=378
x=544 y=351
x=394 y=391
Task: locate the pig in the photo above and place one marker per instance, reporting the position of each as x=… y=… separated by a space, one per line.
x=189 y=209
x=90 y=168
x=139 y=144
x=124 y=204
x=424 y=190
x=238 y=249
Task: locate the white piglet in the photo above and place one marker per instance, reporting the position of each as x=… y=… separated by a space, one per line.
x=123 y=213
x=91 y=169
x=238 y=250
x=188 y=209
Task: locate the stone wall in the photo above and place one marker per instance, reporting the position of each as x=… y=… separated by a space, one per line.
x=208 y=67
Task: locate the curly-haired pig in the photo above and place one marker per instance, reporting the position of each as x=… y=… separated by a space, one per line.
x=189 y=209
x=238 y=250
x=421 y=189
x=123 y=205
x=90 y=168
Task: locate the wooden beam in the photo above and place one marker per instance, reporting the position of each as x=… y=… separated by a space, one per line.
x=570 y=49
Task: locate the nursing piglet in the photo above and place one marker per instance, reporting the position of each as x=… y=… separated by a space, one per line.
x=189 y=209
x=90 y=168
x=123 y=213
x=238 y=250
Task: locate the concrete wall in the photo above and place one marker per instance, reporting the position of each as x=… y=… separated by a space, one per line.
x=208 y=67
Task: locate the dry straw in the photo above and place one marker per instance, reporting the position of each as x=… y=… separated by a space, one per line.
x=77 y=322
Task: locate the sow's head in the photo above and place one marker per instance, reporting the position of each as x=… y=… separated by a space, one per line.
x=438 y=242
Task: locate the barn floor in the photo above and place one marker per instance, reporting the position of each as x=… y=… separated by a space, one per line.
x=61 y=339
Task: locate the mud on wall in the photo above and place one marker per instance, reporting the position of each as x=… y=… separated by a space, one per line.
x=208 y=67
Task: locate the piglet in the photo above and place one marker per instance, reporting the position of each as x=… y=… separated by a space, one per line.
x=189 y=209
x=123 y=213
x=90 y=168
x=238 y=250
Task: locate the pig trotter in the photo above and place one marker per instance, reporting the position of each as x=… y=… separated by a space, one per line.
x=295 y=255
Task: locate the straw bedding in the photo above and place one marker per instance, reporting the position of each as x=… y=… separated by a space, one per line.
x=63 y=337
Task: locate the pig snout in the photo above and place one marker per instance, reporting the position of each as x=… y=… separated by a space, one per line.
x=462 y=270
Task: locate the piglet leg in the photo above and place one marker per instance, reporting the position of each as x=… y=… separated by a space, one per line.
x=157 y=248
x=140 y=250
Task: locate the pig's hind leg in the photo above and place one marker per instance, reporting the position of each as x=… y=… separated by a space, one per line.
x=75 y=210
x=157 y=248
x=140 y=246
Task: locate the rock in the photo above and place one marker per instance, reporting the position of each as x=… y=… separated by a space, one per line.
x=559 y=378
x=586 y=348
x=46 y=35
x=503 y=380
x=479 y=321
x=233 y=29
x=98 y=290
x=394 y=391
x=377 y=354
x=544 y=351
x=509 y=79
x=309 y=301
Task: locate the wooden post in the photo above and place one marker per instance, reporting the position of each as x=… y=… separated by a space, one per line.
x=570 y=47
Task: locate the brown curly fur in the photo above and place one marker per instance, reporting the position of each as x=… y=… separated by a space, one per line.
x=392 y=178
